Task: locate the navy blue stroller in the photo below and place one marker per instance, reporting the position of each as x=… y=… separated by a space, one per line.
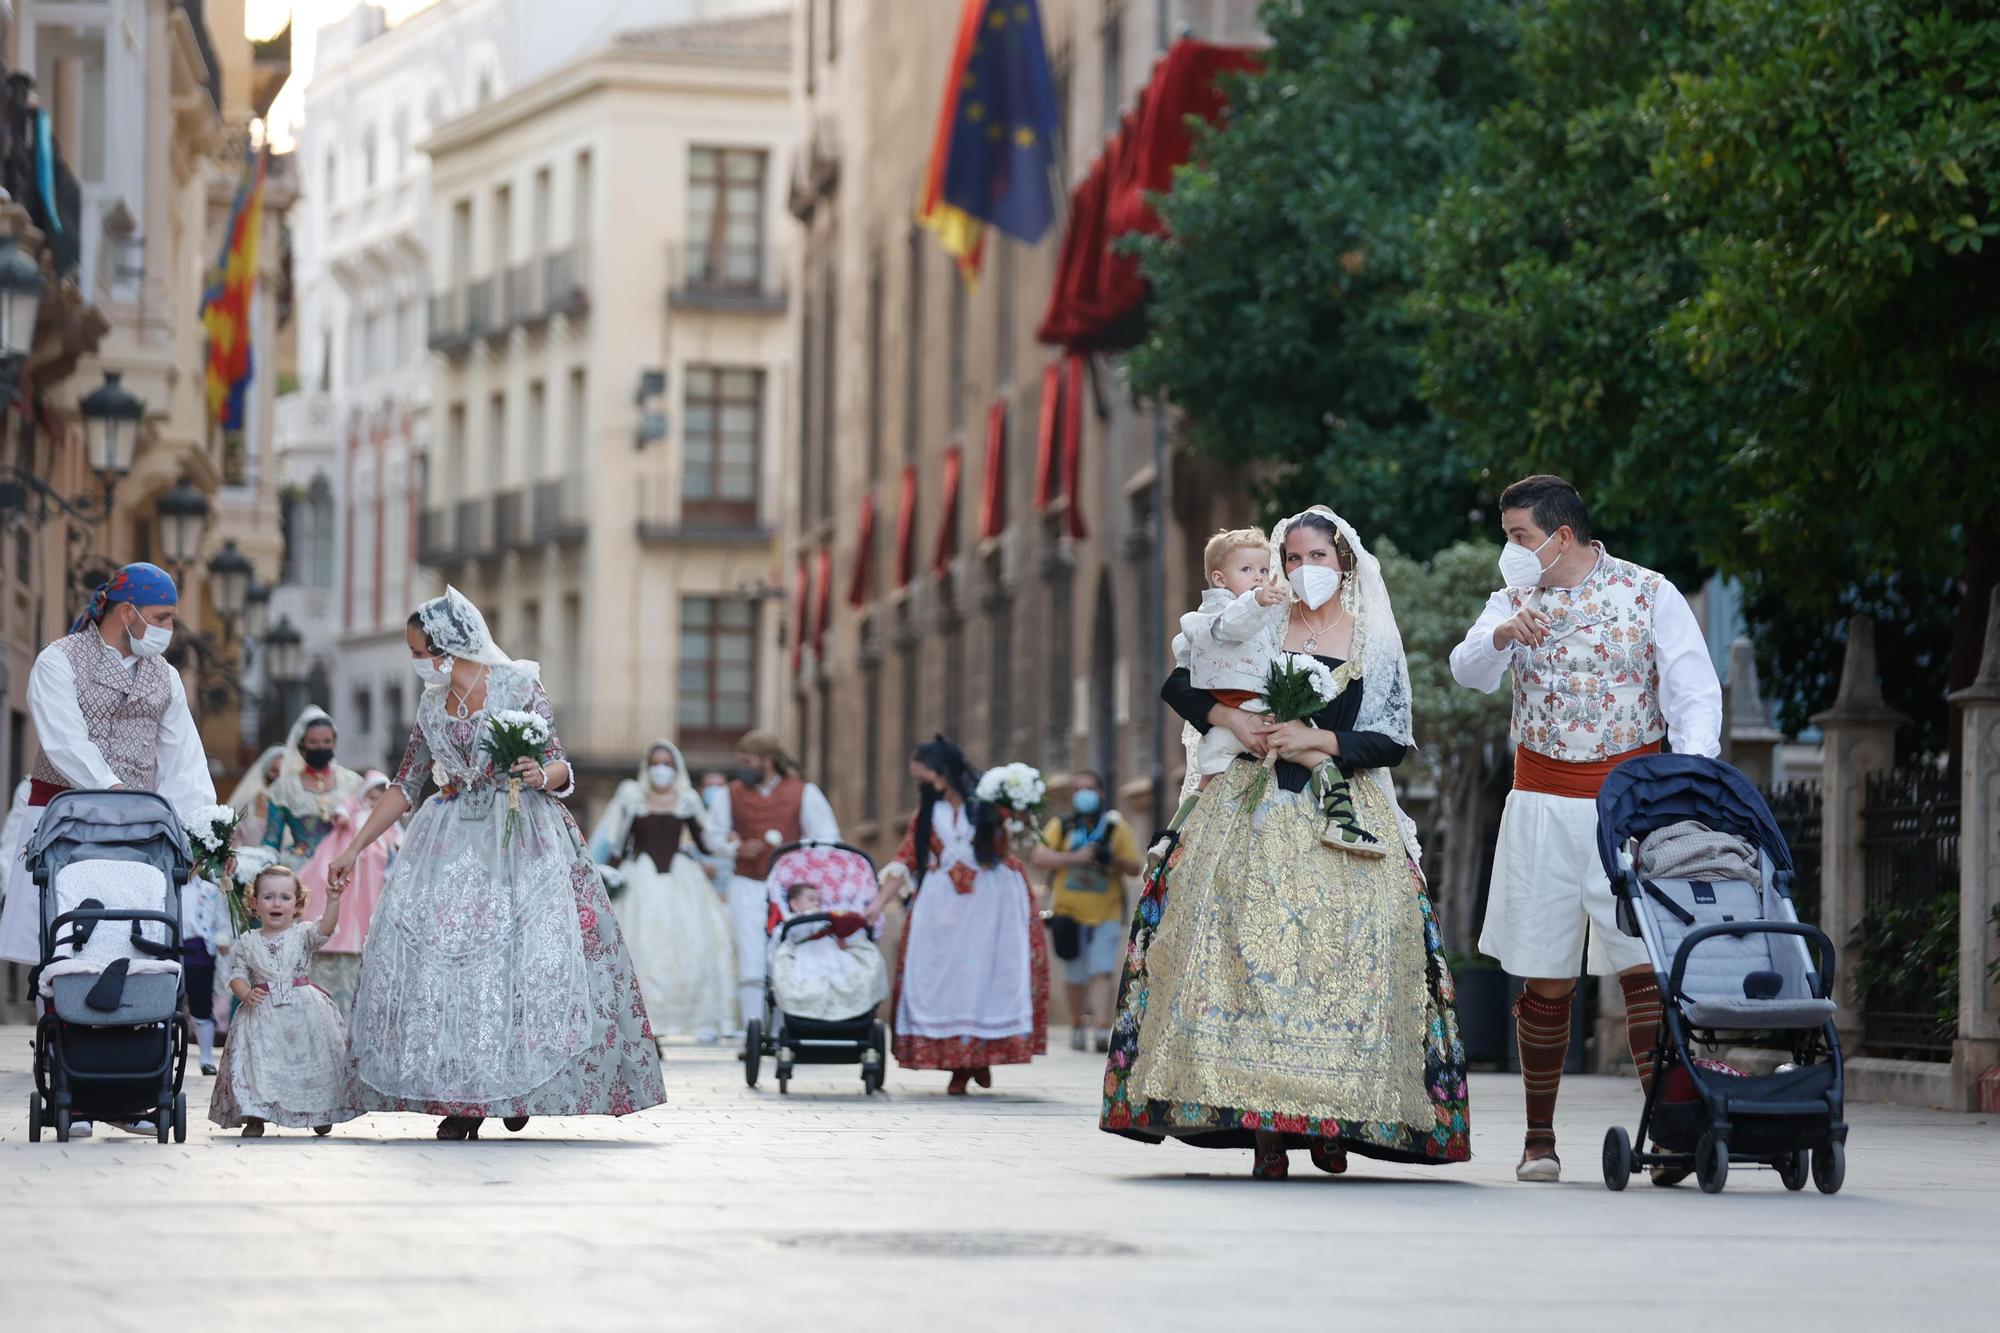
x=109 y=867
x=1729 y=956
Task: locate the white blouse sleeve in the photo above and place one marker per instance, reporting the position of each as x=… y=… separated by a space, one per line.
x=1690 y=691
x=1476 y=663
x=181 y=768
x=59 y=725
x=816 y=819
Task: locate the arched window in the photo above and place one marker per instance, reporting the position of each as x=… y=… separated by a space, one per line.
x=319 y=533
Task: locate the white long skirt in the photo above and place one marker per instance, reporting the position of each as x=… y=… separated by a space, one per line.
x=681 y=947
x=21 y=912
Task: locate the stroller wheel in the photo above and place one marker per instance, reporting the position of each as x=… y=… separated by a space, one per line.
x=34 y=1117
x=753 y=1050
x=1795 y=1168
x=180 y=1117
x=1711 y=1163
x=1617 y=1158
x=62 y=1124
x=1829 y=1166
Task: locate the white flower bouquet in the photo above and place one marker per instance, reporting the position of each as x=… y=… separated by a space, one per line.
x=511 y=736
x=1297 y=686
x=1017 y=791
x=211 y=833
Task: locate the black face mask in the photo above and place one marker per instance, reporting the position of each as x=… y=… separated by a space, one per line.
x=317 y=758
x=750 y=777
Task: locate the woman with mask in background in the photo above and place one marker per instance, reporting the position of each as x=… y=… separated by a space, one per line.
x=310 y=792
x=675 y=925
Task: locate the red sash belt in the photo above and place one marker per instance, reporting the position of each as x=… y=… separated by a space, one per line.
x=40 y=793
x=1558 y=777
x=1235 y=698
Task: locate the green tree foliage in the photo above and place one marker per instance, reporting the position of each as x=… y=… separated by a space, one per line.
x=1281 y=323
x=1834 y=170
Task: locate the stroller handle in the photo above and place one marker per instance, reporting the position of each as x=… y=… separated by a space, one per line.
x=803 y=919
x=1828 y=959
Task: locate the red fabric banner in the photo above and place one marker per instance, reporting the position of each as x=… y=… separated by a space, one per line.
x=1098 y=298
x=1045 y=437
x=1072 y=443
x=906 y=528
x=824 y=612
x=864 y=555
x=993 y=490
x=947 y=539
x=800 y=605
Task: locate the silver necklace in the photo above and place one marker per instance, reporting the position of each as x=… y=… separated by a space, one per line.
x=464 y=708
x=1313 y=632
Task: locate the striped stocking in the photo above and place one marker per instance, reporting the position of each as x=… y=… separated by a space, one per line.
x=1642 y=1021
x=1541 y=1026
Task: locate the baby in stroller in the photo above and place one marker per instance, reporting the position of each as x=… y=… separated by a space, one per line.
x=828 y=970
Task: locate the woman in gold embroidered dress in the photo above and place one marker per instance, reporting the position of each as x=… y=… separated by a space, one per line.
x=1281 y=991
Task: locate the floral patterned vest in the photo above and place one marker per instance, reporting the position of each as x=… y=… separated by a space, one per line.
x=1592 y=690
x=122 y=710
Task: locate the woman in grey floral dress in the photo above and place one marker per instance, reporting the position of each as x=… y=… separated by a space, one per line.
x=494 y=979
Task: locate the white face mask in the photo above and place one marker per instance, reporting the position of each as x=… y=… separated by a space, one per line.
x=662 y=775
x=1521 y=567
x=151 y=641
x=1315 y=584
x=429 y=672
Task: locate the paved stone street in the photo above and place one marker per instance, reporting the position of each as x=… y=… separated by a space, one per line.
x=827 y=1210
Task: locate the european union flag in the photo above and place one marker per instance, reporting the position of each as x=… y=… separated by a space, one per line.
x=1003 y=133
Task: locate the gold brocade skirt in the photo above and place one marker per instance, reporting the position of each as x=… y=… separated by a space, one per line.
x=1276 y=984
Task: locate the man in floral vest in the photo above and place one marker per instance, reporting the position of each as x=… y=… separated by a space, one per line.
x=1608 y=662
x=764 y=807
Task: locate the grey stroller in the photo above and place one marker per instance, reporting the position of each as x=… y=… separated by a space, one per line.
x=1730 y=954
x=109 y=1044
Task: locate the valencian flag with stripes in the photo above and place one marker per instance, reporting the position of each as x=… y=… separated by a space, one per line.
x=994 y=153
x=225 y=304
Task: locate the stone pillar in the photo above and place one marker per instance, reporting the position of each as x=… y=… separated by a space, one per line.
x=1747 y=729
x=1977 y=1050
x=1860 y=739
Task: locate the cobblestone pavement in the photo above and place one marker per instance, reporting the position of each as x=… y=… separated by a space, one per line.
x=828 y=1210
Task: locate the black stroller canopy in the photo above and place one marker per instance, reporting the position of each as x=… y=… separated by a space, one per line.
x=1655 y=790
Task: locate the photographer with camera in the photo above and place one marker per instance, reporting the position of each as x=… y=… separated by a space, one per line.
x=1090 y=852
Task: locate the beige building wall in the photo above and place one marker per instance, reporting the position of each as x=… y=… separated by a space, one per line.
x=549 y=502
x=1034 y=646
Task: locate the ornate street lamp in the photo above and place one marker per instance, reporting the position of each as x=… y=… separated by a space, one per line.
x=256 y=610
x=20 y=301
x=282 y=653
x=183 y=521
x=111 y=416
x=230 y=574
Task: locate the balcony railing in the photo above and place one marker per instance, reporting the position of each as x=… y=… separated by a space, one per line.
x=510 y=521
x=724 y=277
x=561 y=510
x=695 y=522
x=449 y=332
x=433 y=537
x=527 y=287
x=482 y=319
x=472 y=528
x=565 y=285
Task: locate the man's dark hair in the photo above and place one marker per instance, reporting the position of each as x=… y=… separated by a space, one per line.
x=1553 y=502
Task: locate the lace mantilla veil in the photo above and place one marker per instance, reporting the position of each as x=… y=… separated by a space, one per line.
x=457 y=630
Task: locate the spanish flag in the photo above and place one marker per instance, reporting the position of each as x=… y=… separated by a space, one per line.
x=225 y=305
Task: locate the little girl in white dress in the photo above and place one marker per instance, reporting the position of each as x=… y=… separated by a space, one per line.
x=286 y=1062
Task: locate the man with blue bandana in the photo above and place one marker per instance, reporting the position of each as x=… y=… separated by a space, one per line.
x=108 y=712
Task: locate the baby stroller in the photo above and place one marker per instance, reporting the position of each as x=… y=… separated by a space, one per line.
x=109 y=1045
x=845 y=878
x=1730 y=955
